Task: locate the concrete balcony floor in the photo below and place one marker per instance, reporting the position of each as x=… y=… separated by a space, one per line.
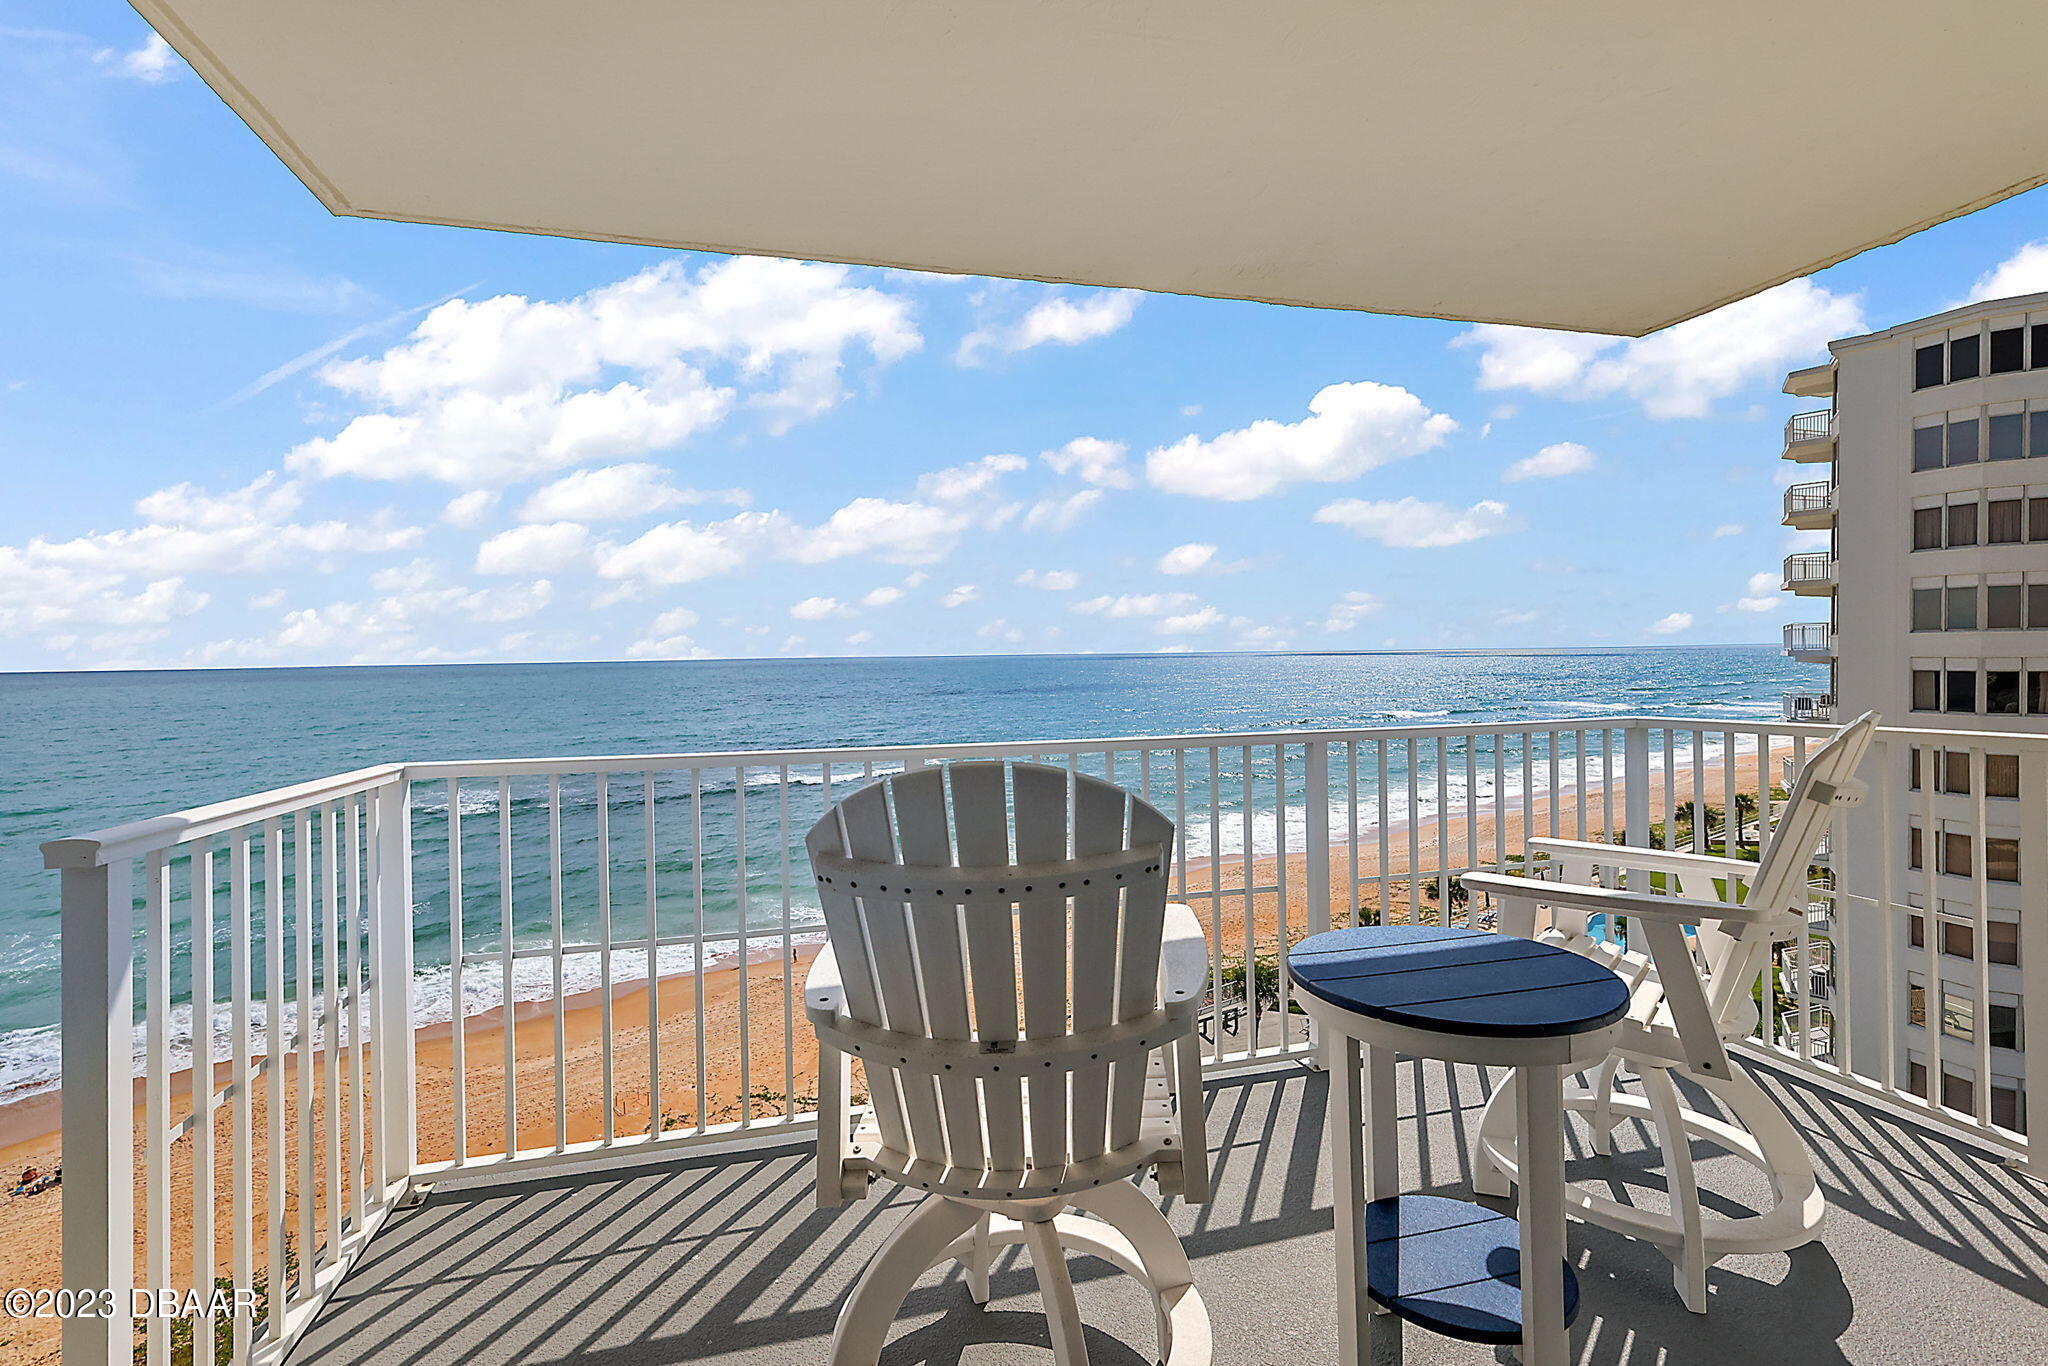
x=1935 y=1255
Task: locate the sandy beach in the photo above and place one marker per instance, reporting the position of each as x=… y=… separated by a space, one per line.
x=738 y=1001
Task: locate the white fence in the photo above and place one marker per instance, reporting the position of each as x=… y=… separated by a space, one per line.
x=431 y=971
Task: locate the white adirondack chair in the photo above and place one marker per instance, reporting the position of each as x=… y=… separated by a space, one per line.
x=1690 y=996
x=938 y=928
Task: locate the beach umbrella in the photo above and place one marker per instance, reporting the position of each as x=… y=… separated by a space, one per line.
x=1604 y=165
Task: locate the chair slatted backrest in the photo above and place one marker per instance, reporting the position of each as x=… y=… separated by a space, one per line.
x=1732 y=960
x=956 y=895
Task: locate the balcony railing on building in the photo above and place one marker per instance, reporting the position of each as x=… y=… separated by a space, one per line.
x=1811 y=506
x=1809 y=706
x=1813 y=640
x=1810 y=572
x=349 y=913
x=1810 y=437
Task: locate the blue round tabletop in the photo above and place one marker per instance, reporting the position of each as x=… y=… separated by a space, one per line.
x=1454 y=981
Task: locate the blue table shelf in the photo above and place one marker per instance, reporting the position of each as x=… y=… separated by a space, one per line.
x=1450 y=1266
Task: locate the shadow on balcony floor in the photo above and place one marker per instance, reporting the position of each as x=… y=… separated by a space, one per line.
x=1934 y=1256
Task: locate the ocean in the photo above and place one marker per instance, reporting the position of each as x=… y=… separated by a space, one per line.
x=87 y=750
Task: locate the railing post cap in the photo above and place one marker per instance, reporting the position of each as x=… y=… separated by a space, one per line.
x=71 y=853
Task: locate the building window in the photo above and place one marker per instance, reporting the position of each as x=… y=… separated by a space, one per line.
x=2002 y=942
x=2002 y=860
x=2037 y=691
x=1927 y=690
x=2037 y=605
x=1964 y=358
x=1916 y=1004
x=1927 y=366
x=1958 y=940
x=1962 y=524
x=1927 y=447
x=1927 y=528
x=2004 y=1024
x=2008 y=1108
x=1962 y=442
x=2037 y=519
x=2008 y=350
x=2002 y=607
x=1913 y=845
x=1962 y=690
x=2002 y=775
x=1916 y=1078
x=2005 y=521
x=1958 y=1013
x=1955 y=771
x=1962 y=608
x=1958 y=1092
x=2002 y=692
x=1927 y=609
x=1955 y=854
x=2006 y=439
x=2037 y=433
x=1913 y=768
x=1916 y=931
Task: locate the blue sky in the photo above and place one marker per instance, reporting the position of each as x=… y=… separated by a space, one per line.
x=237 y=431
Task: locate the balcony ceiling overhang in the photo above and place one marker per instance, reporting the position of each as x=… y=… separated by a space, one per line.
x=1603 y=166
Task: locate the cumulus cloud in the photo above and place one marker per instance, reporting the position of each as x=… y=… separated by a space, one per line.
x=1554 y=461
x=612 y=493
x=491 y=392
x=1062 y=318
x=1351 y=428
x=1198 y=557
x=975 y=479
x=542 y=548
x=667 y=637
x=1092 y=461
x=408 y=622
x=1135 y=604
x=470 y=509
x=960 y=597
x=1204 y=618
x=2023 y=272
x=1680 y=371
x=153 y=63
x=1059 y=513
x=1412 y=524
x=1349 y=611
x=1051 y=580
x=1671 y=625
x=817 y=609
x=1764 y=594
x=884 y=596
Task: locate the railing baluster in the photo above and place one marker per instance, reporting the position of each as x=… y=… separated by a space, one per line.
x=556 y=961
x=653 y=961
x=276 y=1048
x=241 y=1076
x=604 y=948
x=505 y=987
x=458 y=1017
x=330 y=1024
x=703 y=1106
x=202 y=1096
x=746 y=945
x=156 y=1091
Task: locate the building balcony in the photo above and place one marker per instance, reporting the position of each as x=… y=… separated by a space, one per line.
x=1811 y=506
x=444 y=1192
x=1811 y=642
x=1809 y=706
x=1815 y=381
x=1810 y=437
x=1810 y=574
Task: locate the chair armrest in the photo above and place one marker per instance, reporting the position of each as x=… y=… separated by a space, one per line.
x=1183 y=957
x=1612 y=901
x=824 y=995
x=1651 y=860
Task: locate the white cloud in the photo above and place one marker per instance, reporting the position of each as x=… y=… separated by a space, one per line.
x=487 y=393
x=1411 y=524
x=1058 y=514
x=884 y=596
x=544 y=547
x=1726 y=529
x=1198 y=557
x=1351 y=428
x=1672 y=624
x=1347 y=612
x=1681 y=371
x=1051 y=580
x=1203 y=618
x=1092 y=461
x=817 y=609
x=678 y=552
x=154 y=62
x=1764 y=594
x=1059 y=319
x=1135 y=604
x=610 y=493
x=407 y=624
x=674 y=620
x=960 y=597
x=1565 y=457
x=2023 y=272
x=1000 y=629
x=470 y=509
x=975 y=479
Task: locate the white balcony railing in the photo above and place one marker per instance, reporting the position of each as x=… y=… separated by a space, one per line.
x=1809 y=638
x=370 y=930
x=1809 y=502
x=1809 y=569
x=1801 y=428
x=1809 y=706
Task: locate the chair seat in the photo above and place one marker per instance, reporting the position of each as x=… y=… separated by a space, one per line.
x=1649 y=1026
x=1454 y=981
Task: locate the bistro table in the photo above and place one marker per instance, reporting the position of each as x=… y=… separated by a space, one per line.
x=1451 y=1266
